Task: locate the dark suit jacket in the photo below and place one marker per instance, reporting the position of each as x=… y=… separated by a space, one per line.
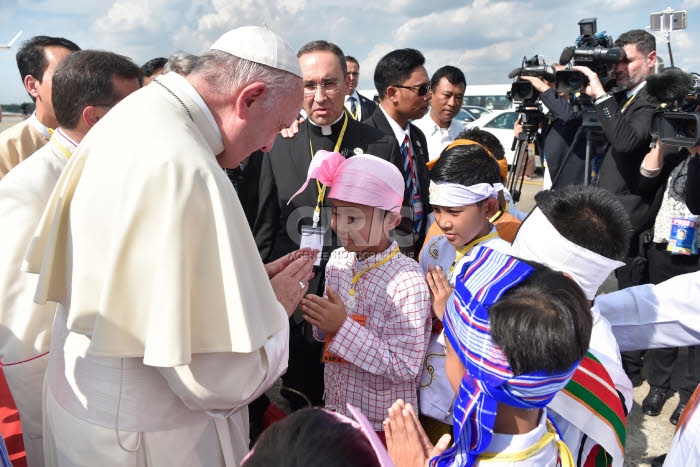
x=277 y=227
x=628 y=142
x=420 y=150
x=558 y=134
x=368 y=106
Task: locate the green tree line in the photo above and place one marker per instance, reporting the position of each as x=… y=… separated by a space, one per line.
x=17 y=108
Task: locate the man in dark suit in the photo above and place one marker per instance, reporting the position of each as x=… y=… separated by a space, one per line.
x=359 y=107
x=404 y=94
x=626 y=119
x=278 y=225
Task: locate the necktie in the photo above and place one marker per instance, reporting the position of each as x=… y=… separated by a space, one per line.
x=353 y=107
x=411 y=185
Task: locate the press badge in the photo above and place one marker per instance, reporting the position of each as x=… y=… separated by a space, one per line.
x=312 y=237
x=684 y=236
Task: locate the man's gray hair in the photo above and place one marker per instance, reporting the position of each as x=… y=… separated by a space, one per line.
x=225 y=73
x=181 y=63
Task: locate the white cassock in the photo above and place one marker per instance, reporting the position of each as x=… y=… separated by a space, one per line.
x=167 y=325
x=25 y=327
x=657 y=316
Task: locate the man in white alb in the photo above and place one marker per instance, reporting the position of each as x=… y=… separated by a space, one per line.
x=167 y=324
x=86 y=85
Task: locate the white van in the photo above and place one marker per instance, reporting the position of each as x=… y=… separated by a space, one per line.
x=489 y=96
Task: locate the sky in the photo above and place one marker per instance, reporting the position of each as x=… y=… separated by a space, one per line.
x=485 y=39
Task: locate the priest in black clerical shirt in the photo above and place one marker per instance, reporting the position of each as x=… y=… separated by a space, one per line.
x=277 y=228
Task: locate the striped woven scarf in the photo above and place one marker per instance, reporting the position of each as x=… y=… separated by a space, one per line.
x=488 y=378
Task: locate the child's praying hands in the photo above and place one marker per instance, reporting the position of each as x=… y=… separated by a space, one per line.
x=327 y=314
x=440 y=290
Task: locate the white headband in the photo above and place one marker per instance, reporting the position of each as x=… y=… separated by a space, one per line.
x=538 y=240
x=454 y=195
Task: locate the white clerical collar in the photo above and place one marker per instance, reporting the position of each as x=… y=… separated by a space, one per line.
x=635 y=89
x=399 y=133
x=326 y=129
x=43 y=129
x=192 y=93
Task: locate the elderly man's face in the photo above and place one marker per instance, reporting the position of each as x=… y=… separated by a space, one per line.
x=325 y=86
x=261 y=125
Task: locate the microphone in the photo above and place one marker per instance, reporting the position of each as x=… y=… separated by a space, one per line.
x=566 y=55
x=515 y=73
x=668 y=86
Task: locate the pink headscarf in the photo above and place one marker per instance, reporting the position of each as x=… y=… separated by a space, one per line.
x=362 y=179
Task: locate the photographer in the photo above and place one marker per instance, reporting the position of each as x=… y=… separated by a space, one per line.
x=558 y=133
x=626 y=118
x=666 y=173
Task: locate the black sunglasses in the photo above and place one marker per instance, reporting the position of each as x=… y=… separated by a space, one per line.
x=422 y=89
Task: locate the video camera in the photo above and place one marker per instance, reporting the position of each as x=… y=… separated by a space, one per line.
x=526 y=96
x=676 y=122
x=593 y=50
x=522 y=90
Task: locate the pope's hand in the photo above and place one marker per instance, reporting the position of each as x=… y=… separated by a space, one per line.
x=292 y=282
x=278 y=265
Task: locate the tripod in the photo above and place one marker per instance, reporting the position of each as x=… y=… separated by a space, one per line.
x=594 y=135
x=524 y=150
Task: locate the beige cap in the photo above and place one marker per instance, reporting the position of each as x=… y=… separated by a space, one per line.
x=259 y=45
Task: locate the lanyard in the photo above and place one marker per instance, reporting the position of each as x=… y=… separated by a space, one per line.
x=356 y=277
x=551 y=434
x=60 y=147
x=629 y=101
x=321 y=188
x=465 y=249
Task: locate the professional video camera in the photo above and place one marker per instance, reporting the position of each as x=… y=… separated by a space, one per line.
x=524 y=94
x=675 y=123
x=593 y=50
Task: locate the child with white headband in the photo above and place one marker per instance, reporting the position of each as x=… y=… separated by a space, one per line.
x=375 y=315
x=464 y=185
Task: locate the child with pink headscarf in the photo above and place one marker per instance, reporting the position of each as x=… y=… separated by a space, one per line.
x=375 y=314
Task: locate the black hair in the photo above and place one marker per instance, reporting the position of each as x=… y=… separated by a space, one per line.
x=395 y=68
x=589 y=217
x=152 y=65
x=453 y=74
x=466 y=165
x=312 y=437
x=644 y=40
x=350 y=58
x=325 y=46
x=486 y=139
x=31 y=57
x=85 y=78
x=542 y=324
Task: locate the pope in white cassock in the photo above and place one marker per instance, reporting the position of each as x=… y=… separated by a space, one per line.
x=167 y=324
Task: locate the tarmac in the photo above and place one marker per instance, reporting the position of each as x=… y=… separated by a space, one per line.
x=647 y=437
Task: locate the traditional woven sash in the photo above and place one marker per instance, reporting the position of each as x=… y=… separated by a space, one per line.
x=488 y=378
